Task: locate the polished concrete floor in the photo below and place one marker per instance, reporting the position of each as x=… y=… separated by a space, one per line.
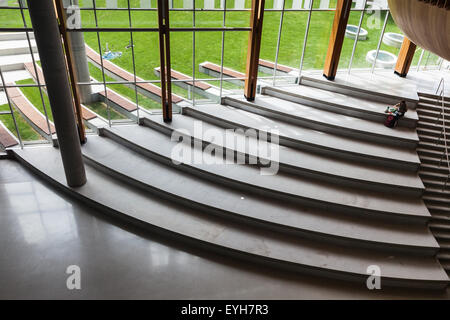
x=42 y=232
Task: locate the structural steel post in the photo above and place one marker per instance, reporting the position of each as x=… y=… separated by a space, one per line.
x=337 y=38
x=405 y=58
x=48 y=41
x=164 y=56
x=71 y=69
x=78 y=48
x=254 y=46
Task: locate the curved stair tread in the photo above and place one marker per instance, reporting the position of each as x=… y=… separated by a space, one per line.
x=325 y=120
x=375 y=85
x=340 y=100
x=232 y=117
x=303 y=160
x=209 y=195
x=282 y=185
x=232 y=238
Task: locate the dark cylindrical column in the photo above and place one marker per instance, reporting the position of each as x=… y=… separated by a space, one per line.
x=78 y=51
x=48 y=41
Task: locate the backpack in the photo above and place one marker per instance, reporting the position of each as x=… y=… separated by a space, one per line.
x=390 y=121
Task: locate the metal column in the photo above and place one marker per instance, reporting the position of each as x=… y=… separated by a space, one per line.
x=78 y=49
x=48 y=41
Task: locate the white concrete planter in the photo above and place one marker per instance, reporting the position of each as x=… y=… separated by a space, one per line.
x=393 y=39
x=351 y=31
x=385 y=60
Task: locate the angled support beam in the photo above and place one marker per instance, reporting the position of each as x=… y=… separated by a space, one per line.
x=405 y=58
x=164 y=55
x=254 y=46
x=337 y=38
x=71 y=69
x=48 y=41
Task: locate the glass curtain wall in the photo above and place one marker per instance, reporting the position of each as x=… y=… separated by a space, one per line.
x=209 y=40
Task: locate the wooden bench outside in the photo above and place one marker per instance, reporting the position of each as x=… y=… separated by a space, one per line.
x=271 y=65
x=33 y=115
x=226 y=71
x=181 y=76
x=30 y=68
x=119 y=100
x=125 y=75
x=6 y=138
x=85 y=112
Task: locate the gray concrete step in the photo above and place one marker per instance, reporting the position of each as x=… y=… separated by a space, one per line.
x=433 y=183
x=436 y=209
x=375 y=88
x=430 y=165
x=14 y=47
x=433 y=109
x=431 y=96
x=433 y=114
x=434 y=132
x=443 y=256
x=445 y=244
x=438 y=192
x=440 y=217
x=434 y=200
x=432 y=101
x=432 y=146
x=431 y=154
x=424 y=173
x=435 y=119
x=334 y=170
x=441 y=226
x=283 y=186
x=235 y=240
x=308 y=139
x=439 y=140
x=338 y=103
x=253 y=209
x=11 y=36
x=437 y=126
x=326 y=121
x=15 y=62
x=441 y=235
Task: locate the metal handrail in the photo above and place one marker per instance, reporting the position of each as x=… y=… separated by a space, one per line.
x=444 y=131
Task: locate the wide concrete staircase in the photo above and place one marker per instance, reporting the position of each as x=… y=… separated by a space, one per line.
x=15 y=51
x=347 y=195
x=435 y=171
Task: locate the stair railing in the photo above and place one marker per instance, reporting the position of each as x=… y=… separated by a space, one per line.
x=443 y=131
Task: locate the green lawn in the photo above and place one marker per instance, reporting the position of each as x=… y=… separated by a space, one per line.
x=208 y=44
x=102 y=109
x=33 y=94
x=125 y=91
x=27 y=133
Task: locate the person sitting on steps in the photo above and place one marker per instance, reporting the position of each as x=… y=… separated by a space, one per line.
x=394 y=114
